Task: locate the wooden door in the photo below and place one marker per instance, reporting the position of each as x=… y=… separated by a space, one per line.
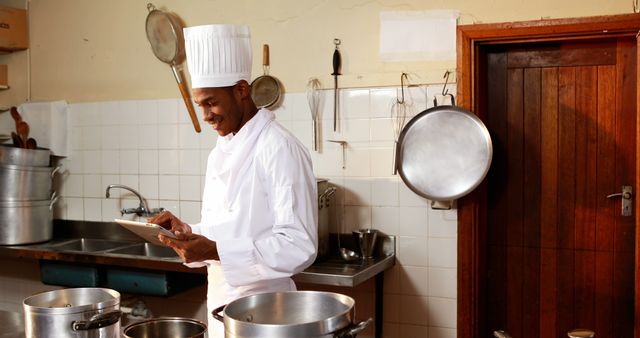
x=558 y=253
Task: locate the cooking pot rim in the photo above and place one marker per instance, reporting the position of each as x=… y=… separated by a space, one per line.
x=45 y=295
x=132 y=326
x=338 y=320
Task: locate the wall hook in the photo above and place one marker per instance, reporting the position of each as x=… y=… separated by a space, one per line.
x=445 y=90
x=342 y=144
x=403 y=76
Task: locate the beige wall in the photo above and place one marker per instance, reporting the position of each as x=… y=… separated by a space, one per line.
x=88 y=50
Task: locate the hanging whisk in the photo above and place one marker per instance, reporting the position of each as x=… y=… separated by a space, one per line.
x=313 y=97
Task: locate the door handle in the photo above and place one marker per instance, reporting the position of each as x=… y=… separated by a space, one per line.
x=626 y=194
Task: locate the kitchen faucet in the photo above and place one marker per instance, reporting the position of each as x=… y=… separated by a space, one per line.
x=141 y=210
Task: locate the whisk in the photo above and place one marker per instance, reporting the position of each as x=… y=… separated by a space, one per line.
x=313 y=97
x=398 y=118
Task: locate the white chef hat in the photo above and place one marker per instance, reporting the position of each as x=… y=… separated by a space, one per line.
x=218 y=55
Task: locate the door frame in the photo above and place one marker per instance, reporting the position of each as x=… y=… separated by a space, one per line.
x=472 y=209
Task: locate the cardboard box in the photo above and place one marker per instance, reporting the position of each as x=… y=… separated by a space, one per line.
x=4 y=79
x=13 y=29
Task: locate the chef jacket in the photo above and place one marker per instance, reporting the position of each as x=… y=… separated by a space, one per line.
x=260 y=206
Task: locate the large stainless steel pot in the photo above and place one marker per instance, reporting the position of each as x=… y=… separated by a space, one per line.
x=21 y=183
x=292 y=314
x=25 y=222
x=40 y=157
x=166 y=327
x=77 y=313
x=325 y=195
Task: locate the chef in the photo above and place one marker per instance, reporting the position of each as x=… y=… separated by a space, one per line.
x=259 y=215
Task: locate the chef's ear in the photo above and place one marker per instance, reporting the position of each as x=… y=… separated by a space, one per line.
x=242 y=89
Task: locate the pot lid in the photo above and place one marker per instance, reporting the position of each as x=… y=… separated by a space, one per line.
x=444 y=153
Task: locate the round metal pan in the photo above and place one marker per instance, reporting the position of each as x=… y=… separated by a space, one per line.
x=444 y=153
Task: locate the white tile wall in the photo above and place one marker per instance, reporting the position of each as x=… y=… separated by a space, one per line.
x=150 y=145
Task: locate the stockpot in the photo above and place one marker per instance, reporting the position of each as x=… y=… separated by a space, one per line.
x=25 y=222
x=75 y=312
x=39 y=157
x=25 y=183
x=291 y=314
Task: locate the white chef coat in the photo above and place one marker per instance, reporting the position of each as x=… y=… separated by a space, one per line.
x=260 y=206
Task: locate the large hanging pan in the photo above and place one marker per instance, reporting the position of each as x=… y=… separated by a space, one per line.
x=444 y=153
x=164 y=33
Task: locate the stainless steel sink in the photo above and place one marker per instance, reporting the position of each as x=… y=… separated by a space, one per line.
x=147 y=250
x=89 y=245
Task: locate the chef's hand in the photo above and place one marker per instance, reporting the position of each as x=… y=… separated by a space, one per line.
x=169 y=221
x=191 y=247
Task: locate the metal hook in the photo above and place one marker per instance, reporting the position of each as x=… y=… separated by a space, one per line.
x=151 y=7
x=402 y=77
x=337 y=42
x=445 y=91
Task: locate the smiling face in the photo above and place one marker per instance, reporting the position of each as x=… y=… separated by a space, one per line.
x=223 y=107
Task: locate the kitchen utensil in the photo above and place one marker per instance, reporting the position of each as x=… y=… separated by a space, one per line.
x=313 y=97
x=265 y=89
x=23 y=132
x=398 y=117
x=12 y=155
x=291 y=315
x=337 y=65
x=75 y=312
x=444 y=153
x=164 y=33
x=26 y=222
x=31 y=143
x=366 y=239
x=17 y=141
x=166 y=327
x=16 y=116
x=22 y=183
x=343 y=145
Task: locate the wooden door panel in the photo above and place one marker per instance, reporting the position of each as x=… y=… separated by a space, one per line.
x=559 y=255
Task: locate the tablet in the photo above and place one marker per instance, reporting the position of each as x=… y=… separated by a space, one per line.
x=148 y=231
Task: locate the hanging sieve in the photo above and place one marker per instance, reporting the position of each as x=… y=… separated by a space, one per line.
x=265 y=89
x=164 y=33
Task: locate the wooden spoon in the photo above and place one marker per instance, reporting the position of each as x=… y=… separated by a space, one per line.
x=16 y=116
x=17 y=141
x=31 y=143
x=23 y=131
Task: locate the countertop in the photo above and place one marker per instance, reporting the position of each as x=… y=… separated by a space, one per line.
x=326 y=270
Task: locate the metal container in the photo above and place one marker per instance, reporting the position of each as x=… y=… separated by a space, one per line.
x=25 y=222
x=40 y=157
x=77 y=313
x=166 y=327
x=325 y=195
x=21 y=183
x=292 y=314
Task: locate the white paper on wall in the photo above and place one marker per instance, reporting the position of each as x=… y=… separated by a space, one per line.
x=48 y=124
x=418 y=35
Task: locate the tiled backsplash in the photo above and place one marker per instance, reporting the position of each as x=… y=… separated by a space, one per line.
x=152 y=147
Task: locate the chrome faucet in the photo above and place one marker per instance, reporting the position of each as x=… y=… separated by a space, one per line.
x=142 y=210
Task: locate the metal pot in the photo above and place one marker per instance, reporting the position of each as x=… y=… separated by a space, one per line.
x=25 y=222
x=22 y=183
x=291 y=315
x=166 y=327
x=39 y=157
x=77 y=313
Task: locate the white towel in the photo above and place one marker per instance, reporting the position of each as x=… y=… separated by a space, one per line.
x=48 y=125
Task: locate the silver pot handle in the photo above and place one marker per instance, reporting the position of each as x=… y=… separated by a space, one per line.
x=53 y=200
x=216 y=313
x=97 y=321
x=54 y=171
x=351 y=332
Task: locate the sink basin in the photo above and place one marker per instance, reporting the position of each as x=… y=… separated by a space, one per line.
x=148 y=250
x=90 y=245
